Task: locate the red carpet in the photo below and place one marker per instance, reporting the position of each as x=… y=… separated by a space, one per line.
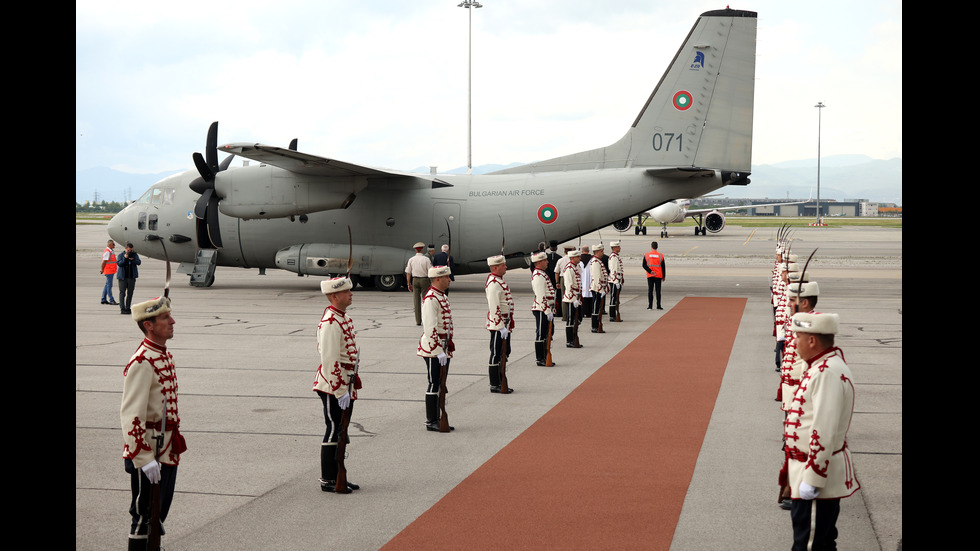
x=608 y=467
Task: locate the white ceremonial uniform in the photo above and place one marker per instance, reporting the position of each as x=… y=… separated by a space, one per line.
x=500 y=304
x=816 y=428
x=338 y=353
x=437 y=325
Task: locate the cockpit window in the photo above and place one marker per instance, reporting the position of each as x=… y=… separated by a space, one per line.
x=158 y=196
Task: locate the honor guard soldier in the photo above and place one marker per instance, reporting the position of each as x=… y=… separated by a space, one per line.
x=336 y=381
x=802 y=298
x=543 y=307
x=820 y=467
x=152 y=443
x=500 y=319
x=571 y=283
x=598 y=284
x=774 y=278
x=436 y=343
x=781 y=318
x=559 y=270
x=616 y=279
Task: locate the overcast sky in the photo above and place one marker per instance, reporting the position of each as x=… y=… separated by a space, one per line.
x=383 y=83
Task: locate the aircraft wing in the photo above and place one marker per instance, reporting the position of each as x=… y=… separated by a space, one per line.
x=302 y=163
x=705 y=211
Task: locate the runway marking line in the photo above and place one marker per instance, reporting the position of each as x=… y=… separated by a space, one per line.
x=609 y=466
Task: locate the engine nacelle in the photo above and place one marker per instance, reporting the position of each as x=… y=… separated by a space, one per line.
x=323 y=259
x=269 y=192
x=624 y=224
x=714 y=221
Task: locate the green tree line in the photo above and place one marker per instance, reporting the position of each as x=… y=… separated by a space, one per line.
x=102 y=207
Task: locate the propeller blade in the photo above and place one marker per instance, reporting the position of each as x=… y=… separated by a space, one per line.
x=212 y=147
x=203 y=169
x=212 y=212
x=226 y=163
x=201 y=207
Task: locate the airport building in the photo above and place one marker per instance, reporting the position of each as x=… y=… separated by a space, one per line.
x=829 y=207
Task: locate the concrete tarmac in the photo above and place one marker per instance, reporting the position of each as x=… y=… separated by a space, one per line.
x=245 y=351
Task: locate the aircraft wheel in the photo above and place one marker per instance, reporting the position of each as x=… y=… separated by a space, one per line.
x=389 y=282
x=636 y=230
x=644 y=230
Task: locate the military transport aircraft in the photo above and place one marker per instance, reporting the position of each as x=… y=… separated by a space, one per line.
x=291 y=210
x=674 y=212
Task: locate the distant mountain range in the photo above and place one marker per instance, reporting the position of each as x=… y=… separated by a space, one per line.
x=841 y=177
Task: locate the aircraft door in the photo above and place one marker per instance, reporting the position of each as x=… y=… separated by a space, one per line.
x=441 y=234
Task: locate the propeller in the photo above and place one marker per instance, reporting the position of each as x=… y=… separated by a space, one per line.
x=207 y=166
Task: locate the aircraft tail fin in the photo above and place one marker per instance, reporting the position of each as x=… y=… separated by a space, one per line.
x=700 y=113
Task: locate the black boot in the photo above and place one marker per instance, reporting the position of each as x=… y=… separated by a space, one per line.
x=328 y=467
x=432 y=412
x=539 y=352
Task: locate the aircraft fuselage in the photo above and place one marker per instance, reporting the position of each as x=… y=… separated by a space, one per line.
x=520 y=210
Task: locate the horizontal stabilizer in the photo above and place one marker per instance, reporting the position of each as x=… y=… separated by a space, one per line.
x=680 y=172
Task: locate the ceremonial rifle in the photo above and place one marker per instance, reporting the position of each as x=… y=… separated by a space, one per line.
x=444 y=369
x=504 y=389
x=341 y=485
x=547 y=343
x=153 y=538
x=443 y=417
x=602 y=309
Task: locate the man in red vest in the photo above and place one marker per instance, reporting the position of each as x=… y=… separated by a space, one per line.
x=653 y=263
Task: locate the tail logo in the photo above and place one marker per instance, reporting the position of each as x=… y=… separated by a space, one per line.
x=698 y=61
x=683 y=100
x=547 y=213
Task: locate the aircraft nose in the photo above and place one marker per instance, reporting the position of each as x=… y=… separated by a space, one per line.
x=117 y=227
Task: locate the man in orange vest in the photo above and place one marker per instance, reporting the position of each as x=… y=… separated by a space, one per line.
x=108 y=269
x=653 y=263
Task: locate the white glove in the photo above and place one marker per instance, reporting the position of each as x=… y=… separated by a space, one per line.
x=619 y=286
x=603 y=295
x=344 y=401
x=576 y=303
x=808 y=492
x=152 y=471
x=551 y=316
x=504 y=332
x=443 y=358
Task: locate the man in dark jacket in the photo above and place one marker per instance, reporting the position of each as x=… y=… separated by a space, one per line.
x=126 y=275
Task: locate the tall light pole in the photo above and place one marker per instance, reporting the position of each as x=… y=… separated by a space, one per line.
x=469 y=4
x=819 y=107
